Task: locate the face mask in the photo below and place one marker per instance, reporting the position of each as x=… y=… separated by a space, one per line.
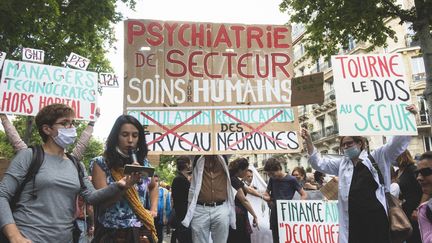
x=352 y=152
x=65 y=137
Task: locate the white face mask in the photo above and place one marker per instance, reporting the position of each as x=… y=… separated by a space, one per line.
x=65 y=137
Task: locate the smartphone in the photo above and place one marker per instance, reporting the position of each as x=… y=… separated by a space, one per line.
x=145 y=171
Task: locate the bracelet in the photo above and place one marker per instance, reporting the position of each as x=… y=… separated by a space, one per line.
x=91 y=123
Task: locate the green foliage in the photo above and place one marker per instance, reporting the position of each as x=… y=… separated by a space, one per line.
x=6 y=150
x=94 y=149
x=166 y=169
x=330 y=23
x=59 y=27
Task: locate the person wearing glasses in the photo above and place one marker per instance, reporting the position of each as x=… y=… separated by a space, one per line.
x=424 y=177
x=361 y=198
x=45 y=211
x=79 y=149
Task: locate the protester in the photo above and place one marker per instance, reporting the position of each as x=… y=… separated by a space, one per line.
x=211 y=201
x=411 y=193
x=319 y=179
x=18 y=144
x=164 y=209
x=180 y=190
x=248 y=177
x=361 y=200
x=300 y=174
x=78 y=152
x=424 y=177
x=58 y=175
x=124 y=219
x=281 y=186
x=242 y=232
x=394 y=186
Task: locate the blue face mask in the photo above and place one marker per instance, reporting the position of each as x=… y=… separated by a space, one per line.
x=352 y=152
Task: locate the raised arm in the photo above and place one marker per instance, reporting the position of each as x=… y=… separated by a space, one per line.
x=12 y=133
x=84 y=139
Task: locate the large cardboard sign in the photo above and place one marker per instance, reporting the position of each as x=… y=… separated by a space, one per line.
x=372 y=92
x=311 y=221
x=25 y=88
x=211 y=88
x=308 y=89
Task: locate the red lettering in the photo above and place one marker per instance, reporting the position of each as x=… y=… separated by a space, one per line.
x=288 y=235
x=254 y=33
x=206 y=65
x=394 y=64
x=198 y=35
x=139 y=59
x=156 y=34
x=181 y=34
x=237 y=29
x=341 y=58
x=222 y=37
x=229 y=56
x=371 y=63
x=308 y=233
x=352 y=68
x=170 y=29
x=282 y=65
x=241 y=65
x=174 y=61
x=279 y=36
x=191 y=64
x=132 y=31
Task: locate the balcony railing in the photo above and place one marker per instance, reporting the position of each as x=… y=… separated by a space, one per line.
x=327 y=132
x=424 y=118
x=419 y=77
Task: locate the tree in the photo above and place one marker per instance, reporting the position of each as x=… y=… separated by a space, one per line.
x=59 y=27
x=330 y=23
x=166 y=169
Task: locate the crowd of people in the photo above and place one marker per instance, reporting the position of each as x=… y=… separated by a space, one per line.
x=208 y=198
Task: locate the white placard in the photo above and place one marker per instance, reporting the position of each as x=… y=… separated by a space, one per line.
x=311 y=221
x=77 y=61
x=27 y=87
x=372 y=92
x=108 y=80
x=33 y=55
x=2 y=58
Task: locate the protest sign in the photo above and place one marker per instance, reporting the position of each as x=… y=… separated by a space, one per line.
x=2 y=58
x=33 y=55
x=211 y=88
x=372 y=92
x=26 y=87
x=307 y=89
x=77 y=61
x=311 y=221
x=109 y=80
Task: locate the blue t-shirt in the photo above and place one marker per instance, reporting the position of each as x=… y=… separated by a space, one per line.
x=284 y=188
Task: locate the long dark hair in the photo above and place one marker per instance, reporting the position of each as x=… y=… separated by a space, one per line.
x=113 y=158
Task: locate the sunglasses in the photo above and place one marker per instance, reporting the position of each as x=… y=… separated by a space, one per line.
x=424 y=172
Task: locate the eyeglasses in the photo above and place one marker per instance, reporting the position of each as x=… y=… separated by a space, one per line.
x=424 y=172
x=348 y=144
x=66 y=124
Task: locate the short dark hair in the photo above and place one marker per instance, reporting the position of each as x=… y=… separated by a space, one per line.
x=238 y=165
x=426 y=155
x=114 y=159
x=49 y=115
x=273 y=164
x=249 y=170
x=357 y=139
x=182 y=162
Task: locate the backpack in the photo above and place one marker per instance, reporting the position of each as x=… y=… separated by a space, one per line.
x=35 y=164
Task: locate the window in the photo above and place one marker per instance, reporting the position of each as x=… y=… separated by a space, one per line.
x=423 y=110
x=418 y=69
x=427 y=143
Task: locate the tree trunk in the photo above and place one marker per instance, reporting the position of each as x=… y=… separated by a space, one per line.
x=28 y=131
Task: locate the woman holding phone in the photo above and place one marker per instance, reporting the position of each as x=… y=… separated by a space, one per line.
x=124 y=219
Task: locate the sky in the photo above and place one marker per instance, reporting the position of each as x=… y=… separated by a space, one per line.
x=221 y=11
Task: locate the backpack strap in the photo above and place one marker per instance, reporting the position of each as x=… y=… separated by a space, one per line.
x=35 y=164
x=79 y=169
x=375 y=165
